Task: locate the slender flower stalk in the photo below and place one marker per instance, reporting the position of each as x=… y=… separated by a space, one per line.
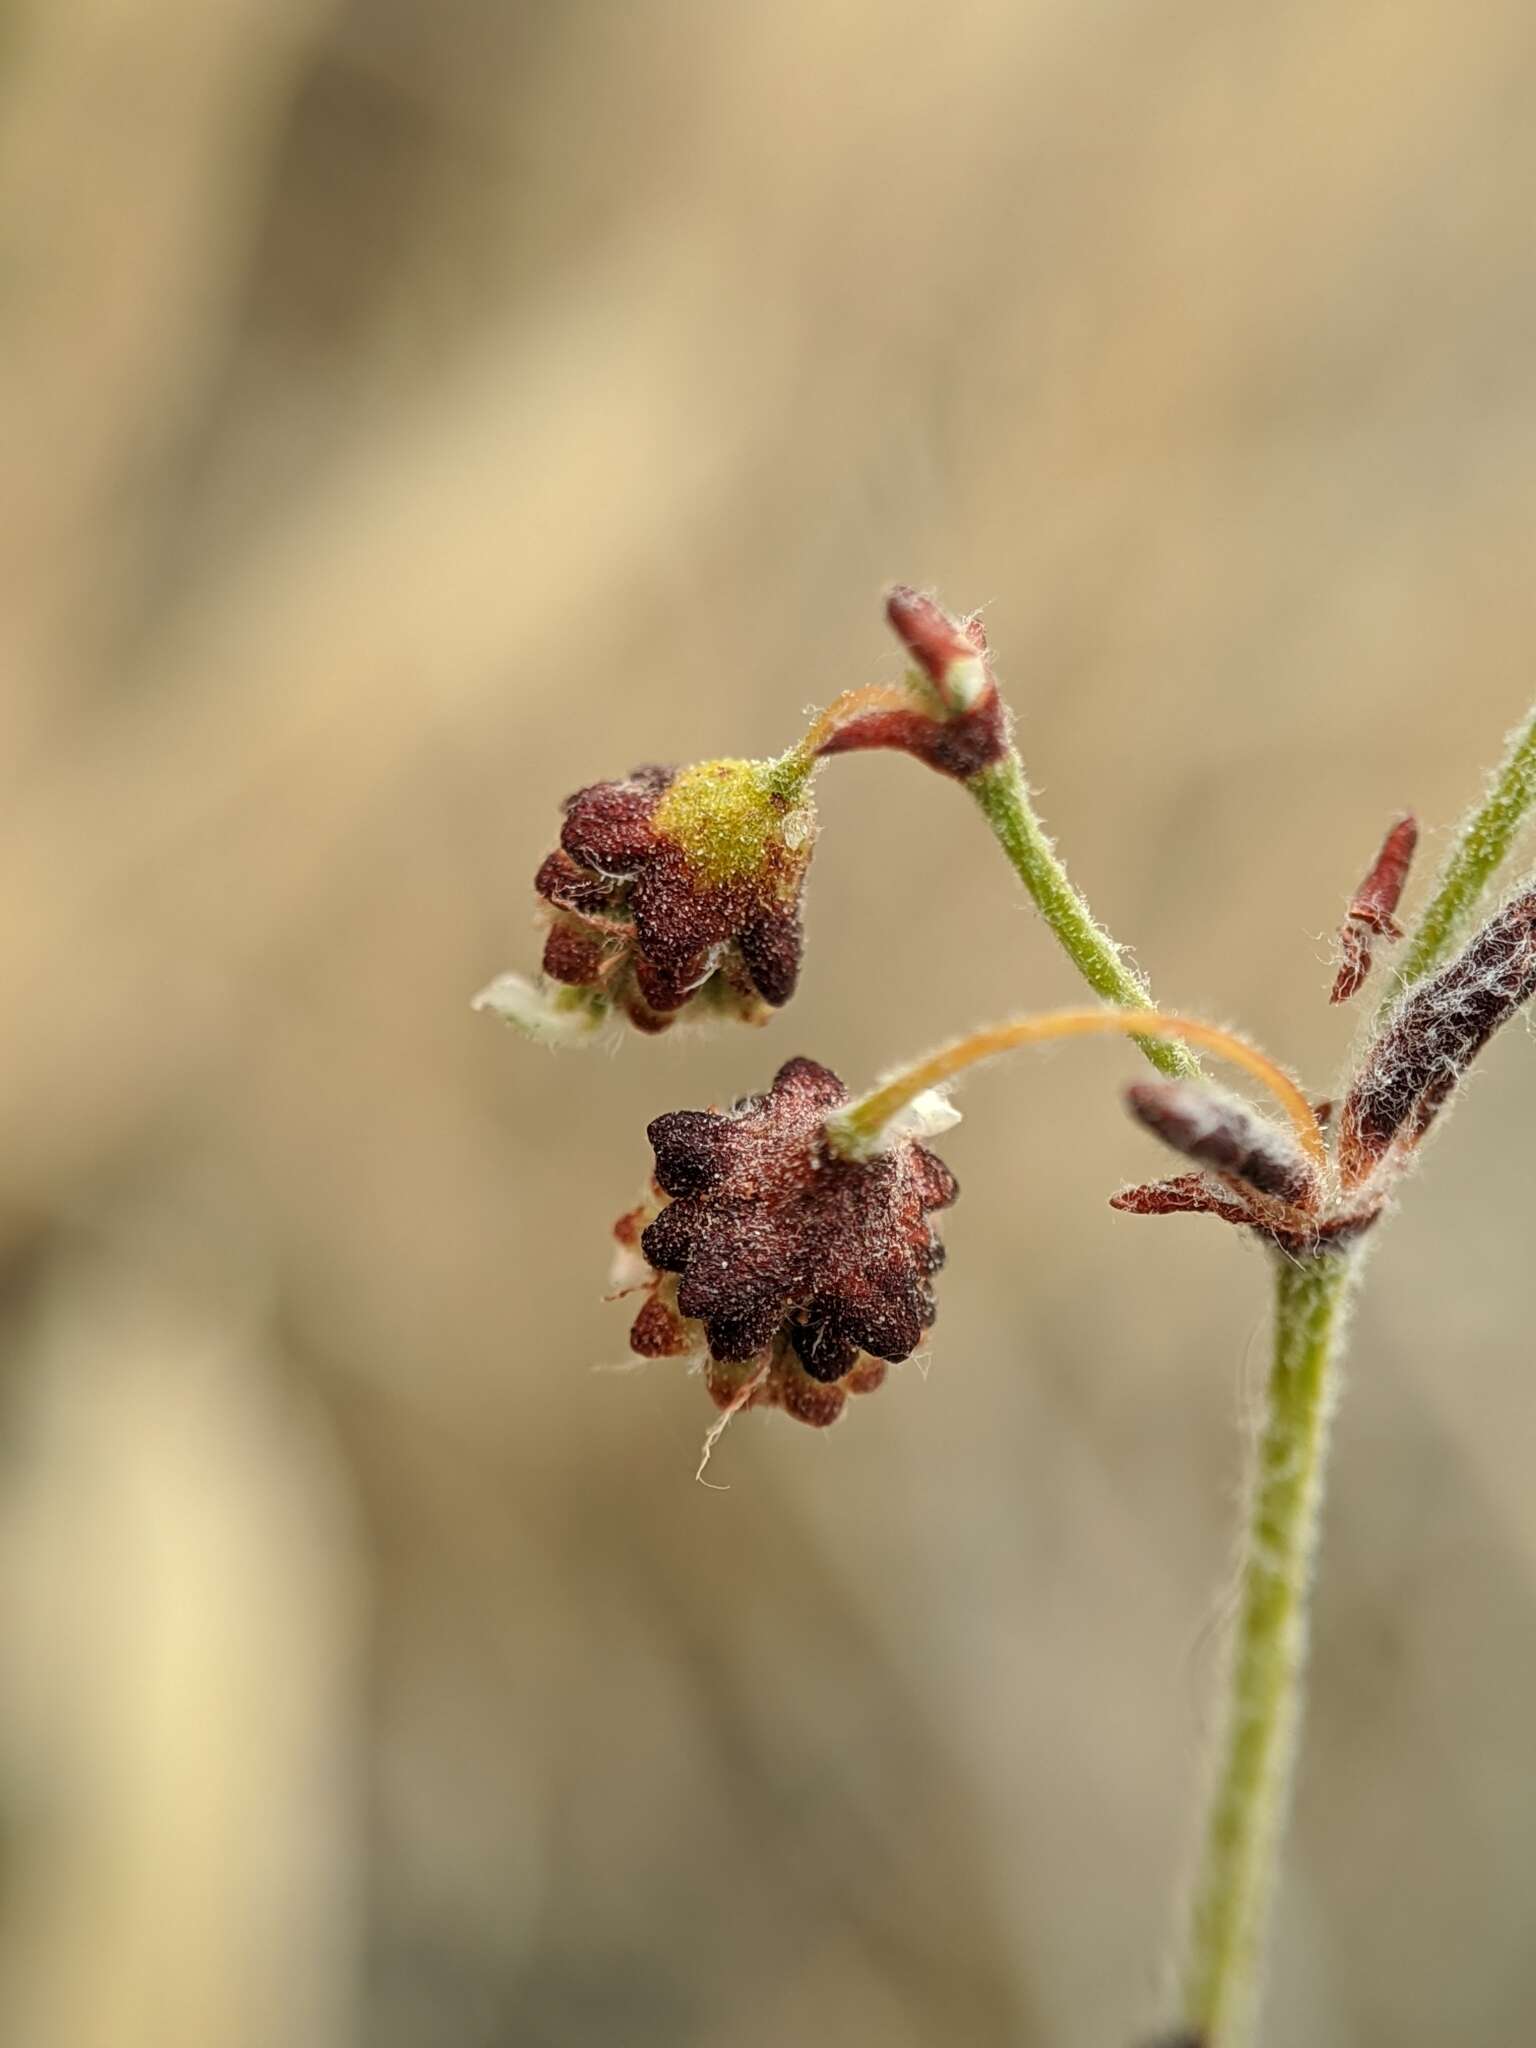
x=871 y=699
x=859 y=1129
x=1003 y=795
x=950 y=714
x=1481 y=845
x=1247 y=1816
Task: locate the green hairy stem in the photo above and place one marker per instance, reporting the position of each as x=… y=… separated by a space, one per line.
x=1003 y=795
x=1268 y=1655
x=1484 y=840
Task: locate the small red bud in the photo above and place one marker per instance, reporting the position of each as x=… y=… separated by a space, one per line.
x=1223 y=1133
x=1369 y=916
x=966 y=729
x=950 y=652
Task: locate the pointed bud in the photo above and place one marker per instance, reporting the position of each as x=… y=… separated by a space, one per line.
x=950 y=652
x=1433 y=1036
x=955 y=721
x=1370 y=914
x=1221 y=1132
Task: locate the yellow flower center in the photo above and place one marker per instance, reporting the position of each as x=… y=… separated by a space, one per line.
x=732 y=817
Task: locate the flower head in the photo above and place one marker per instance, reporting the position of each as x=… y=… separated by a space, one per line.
x=799 y=1276
x=672 y=889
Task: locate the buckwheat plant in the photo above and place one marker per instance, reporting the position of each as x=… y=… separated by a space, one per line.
x=786 y=1247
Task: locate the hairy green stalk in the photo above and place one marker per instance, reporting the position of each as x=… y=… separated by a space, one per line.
x=1481 y=845
x=1258 y=1742
x=1003 y=795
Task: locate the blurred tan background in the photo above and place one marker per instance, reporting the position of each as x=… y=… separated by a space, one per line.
x=415 y=408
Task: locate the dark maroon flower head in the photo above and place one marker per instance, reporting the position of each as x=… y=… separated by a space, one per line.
x=678 y=886
x=955 y=720
x=800 y=1274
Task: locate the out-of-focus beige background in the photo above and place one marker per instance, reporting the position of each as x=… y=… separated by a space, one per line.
x=416 y=408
